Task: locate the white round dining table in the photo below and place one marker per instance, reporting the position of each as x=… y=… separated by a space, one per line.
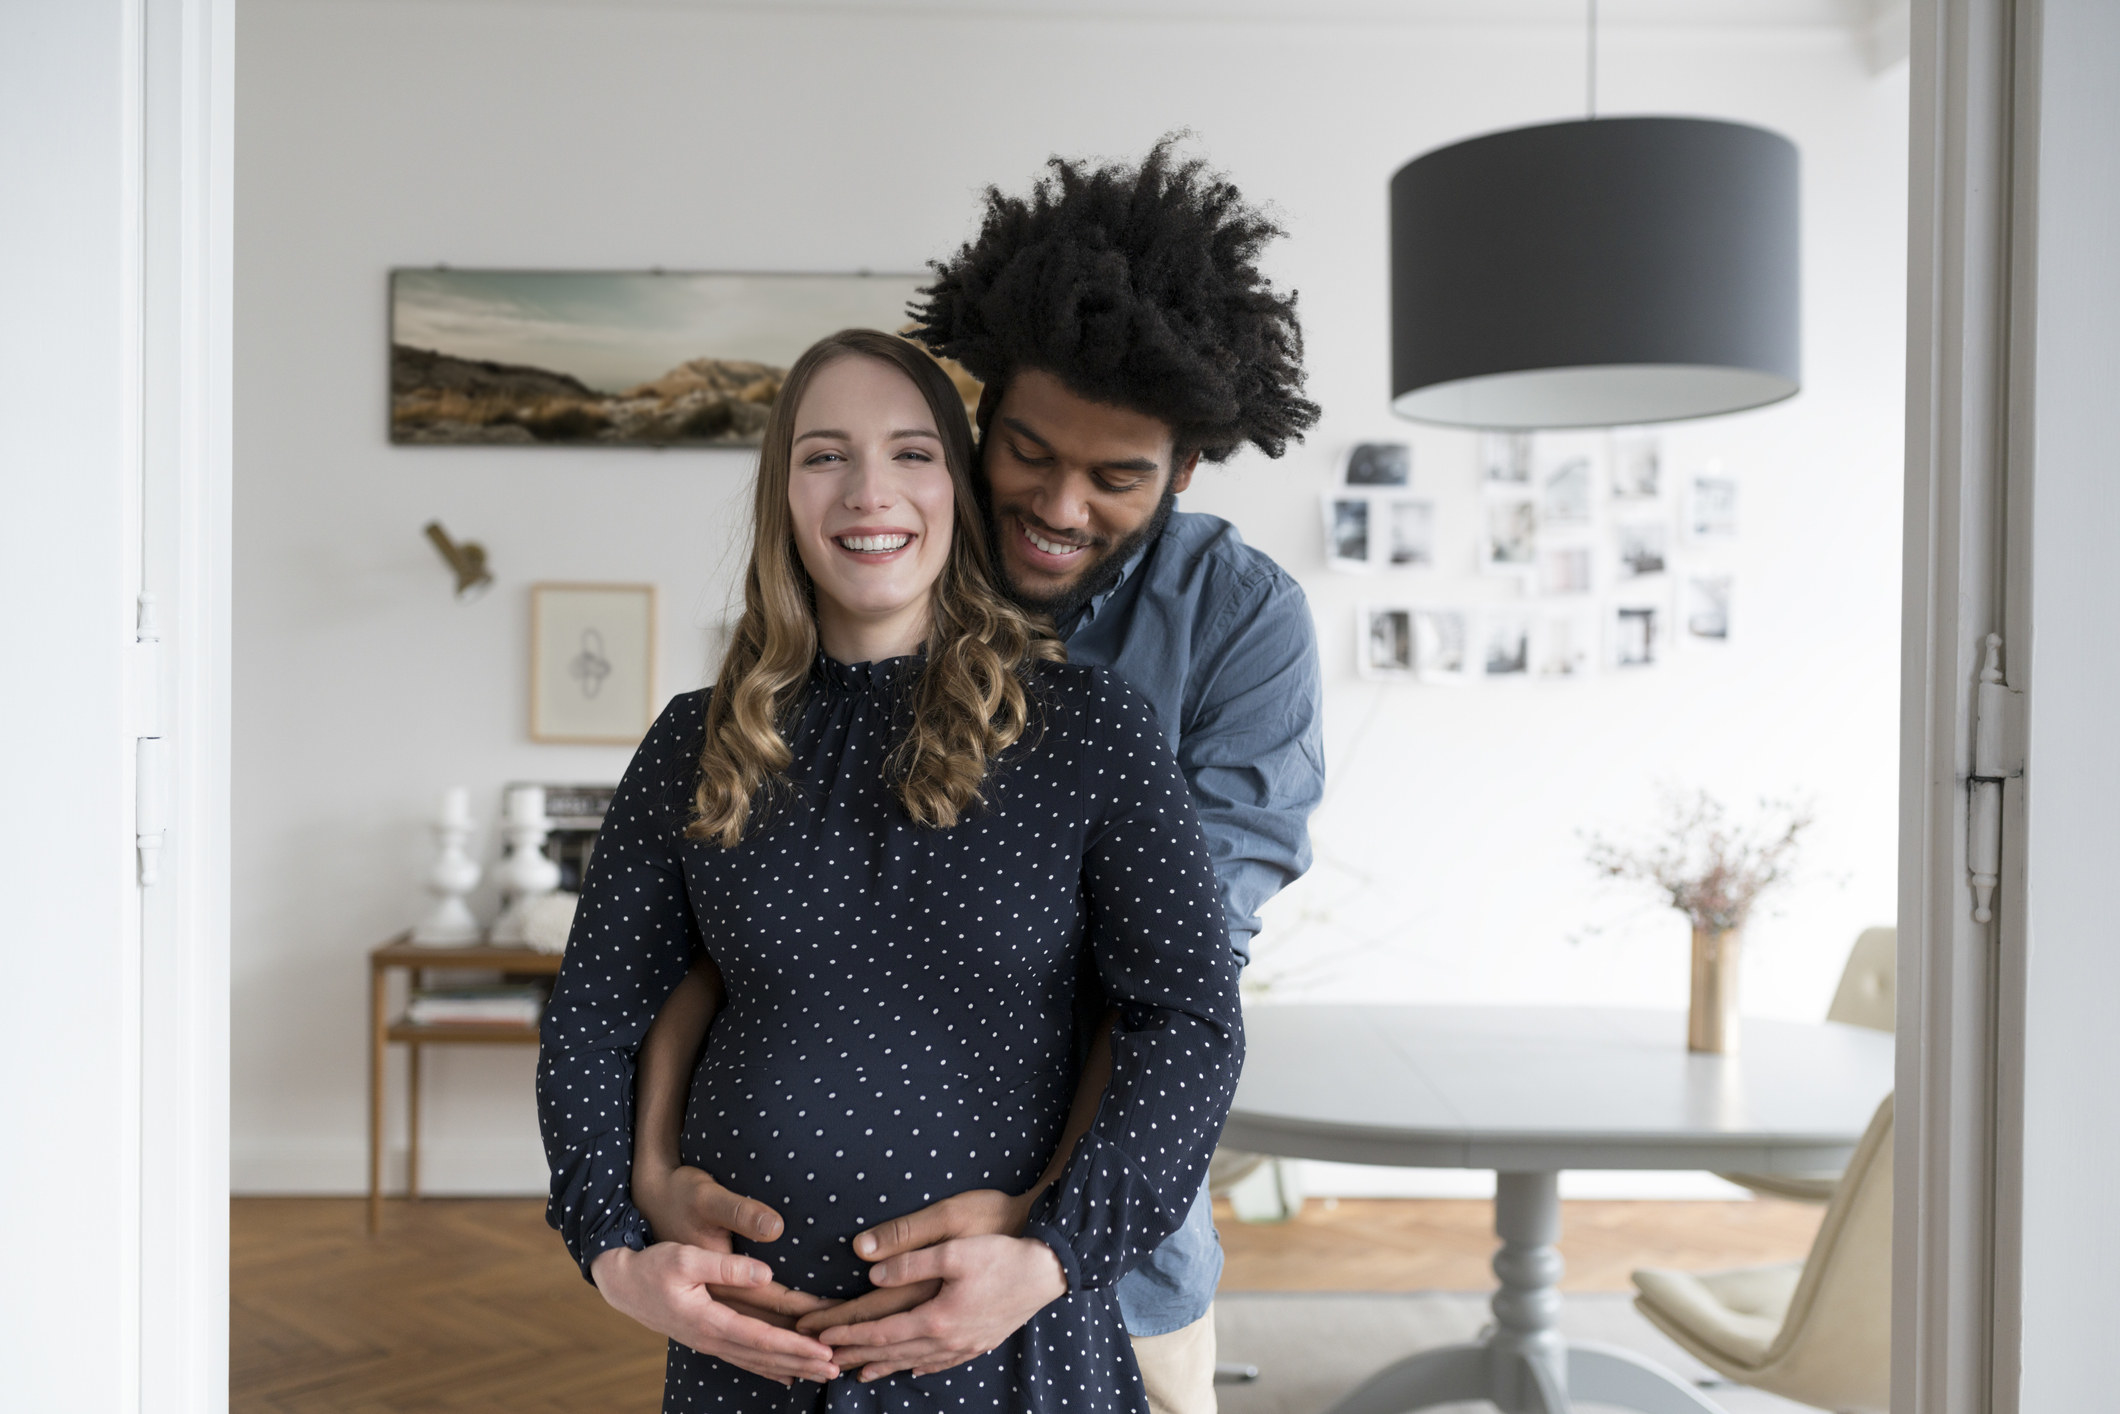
x=1528 y=1092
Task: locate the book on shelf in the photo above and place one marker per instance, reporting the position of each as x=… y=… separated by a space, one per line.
x=508 y=1005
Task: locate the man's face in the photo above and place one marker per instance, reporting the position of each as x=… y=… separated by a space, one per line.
x=1074 y=488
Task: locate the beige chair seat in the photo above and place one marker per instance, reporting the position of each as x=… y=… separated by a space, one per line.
x=1819 y=1332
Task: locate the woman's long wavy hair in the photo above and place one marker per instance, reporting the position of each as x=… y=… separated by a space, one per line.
x=973 y=699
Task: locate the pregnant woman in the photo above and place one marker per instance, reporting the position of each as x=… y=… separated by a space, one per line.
x=904 y=833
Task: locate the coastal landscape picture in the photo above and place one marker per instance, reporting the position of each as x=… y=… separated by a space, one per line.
x=614 y=358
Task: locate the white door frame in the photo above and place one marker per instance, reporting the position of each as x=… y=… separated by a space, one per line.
x=1973 y=164
x=186 y=388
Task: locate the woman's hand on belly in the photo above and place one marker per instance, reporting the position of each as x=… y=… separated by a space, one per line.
x=981 y=1212
x=685 y=1204
x=666 y=1288
x=989 y=1286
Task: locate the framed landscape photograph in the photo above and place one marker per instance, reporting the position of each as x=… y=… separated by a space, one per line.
x=614 y=358
x=592 y=662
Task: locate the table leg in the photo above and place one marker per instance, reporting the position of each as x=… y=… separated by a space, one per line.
x=1529 y=1357
x=1523 y=1365
x=412 y=1121
x=378 y=1025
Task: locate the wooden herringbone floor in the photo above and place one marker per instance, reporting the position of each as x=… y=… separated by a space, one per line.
x=470 y=1306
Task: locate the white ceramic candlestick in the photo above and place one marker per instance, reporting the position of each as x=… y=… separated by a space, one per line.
x=528 y=874
x=454 y=875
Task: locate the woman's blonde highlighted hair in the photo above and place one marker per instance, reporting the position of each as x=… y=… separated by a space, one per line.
x=972 y=700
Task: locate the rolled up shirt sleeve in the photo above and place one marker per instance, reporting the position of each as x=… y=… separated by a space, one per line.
x=1252 y=748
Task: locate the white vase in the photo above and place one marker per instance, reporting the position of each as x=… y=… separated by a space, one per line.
x=455 y=874
x=527 y=874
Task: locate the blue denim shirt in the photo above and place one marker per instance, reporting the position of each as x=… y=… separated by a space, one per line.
x=1219 y=639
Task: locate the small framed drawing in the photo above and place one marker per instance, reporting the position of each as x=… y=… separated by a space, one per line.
x=1505 y=458
x=592 y=662
x=1637 y=466
x=1566 y=467
x=1643 y=546
x=1378 y=464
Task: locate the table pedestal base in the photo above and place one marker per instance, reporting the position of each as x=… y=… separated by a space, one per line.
x=1522 y=1365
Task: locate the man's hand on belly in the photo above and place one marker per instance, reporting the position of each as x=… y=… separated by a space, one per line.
x=667 y=1289
x=981 y=1211
x=989 y=1285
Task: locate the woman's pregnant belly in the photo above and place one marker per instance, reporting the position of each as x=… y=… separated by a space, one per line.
x=841 y=1139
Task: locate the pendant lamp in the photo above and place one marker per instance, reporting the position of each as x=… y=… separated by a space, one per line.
x=1597 y=273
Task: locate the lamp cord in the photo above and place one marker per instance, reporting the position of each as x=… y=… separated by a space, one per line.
x=1590 y=80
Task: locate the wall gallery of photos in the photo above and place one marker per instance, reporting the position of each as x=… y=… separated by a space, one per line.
x=1617 y=558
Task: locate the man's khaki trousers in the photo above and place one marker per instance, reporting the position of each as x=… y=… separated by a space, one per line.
x=1179 y=1368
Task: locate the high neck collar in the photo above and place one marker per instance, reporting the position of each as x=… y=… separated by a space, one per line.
x=883 y=673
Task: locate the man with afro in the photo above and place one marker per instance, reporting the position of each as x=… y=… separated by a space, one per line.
x=1123 y=333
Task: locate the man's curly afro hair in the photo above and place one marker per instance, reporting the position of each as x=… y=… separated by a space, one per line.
x=1136 y=286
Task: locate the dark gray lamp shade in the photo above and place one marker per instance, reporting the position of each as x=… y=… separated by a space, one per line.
x=1591 y=274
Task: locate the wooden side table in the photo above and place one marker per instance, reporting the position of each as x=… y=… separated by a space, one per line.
x=400 y=954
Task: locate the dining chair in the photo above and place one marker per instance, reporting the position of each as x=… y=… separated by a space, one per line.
x=1819 y=1331
x=1868 y=996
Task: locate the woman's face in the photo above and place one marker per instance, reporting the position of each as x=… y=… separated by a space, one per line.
x=872 y=506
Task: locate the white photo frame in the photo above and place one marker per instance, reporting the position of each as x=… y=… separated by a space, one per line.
x=1711 y=507
x=1505 y=459
x=1383 y=642
x=1377 y=465
x=1443 y=646
x=1637 y=466
x=592 y=663
x=1704 y=616
x=1505 y=638
x=1634 y=635
x=1406 y=534
x=1350 y=531
x=1509 y=535
x=1641 y=548
x=1568 y=469
x=1567 y=570
x=1564 y=645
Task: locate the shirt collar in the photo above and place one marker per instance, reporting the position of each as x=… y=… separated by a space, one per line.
x=1088 y=612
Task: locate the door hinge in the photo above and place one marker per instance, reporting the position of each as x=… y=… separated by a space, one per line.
x=144 y=710
x=1998 y=756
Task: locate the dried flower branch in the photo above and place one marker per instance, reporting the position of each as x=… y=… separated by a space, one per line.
x=1712 y=869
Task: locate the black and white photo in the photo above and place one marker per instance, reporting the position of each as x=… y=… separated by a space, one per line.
x=1442 y=645
x=1510 y=534
x=1505 y=458
x=1412 y=530
x=1379 y=464
x=1563 y=645
x=1707 y=608
x=1384 y=648
x=1348 y=532
x=1634 y=630
x=1711 y=507
x=1507 y=635
x=1644 y=547
x=1565 y=569
x=1637 y=466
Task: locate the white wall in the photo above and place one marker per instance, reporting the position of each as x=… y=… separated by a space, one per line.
x=379 y=133
x=2072 y=968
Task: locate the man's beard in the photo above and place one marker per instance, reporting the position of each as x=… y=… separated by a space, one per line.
x=1062 y=607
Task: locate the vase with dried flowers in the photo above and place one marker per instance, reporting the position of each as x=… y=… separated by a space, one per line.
x=1714 y=870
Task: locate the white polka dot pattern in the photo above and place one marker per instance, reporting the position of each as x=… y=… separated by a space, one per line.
x=900 y=1016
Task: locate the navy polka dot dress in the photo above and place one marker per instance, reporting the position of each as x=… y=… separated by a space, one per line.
x=900 y=1017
